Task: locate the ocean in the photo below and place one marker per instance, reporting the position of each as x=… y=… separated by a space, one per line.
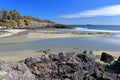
x=99 y=27
x=114 y=29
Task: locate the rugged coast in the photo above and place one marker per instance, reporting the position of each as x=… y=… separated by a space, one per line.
x=62 y=66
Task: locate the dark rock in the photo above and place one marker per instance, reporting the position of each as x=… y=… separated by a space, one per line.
x=118 y=59
x=107 y=58
x=61 y=26
x=59 y=67
x=118 y=76
x=116 y=66
x=62 y=55
x=53 y=57
x=107 y=78
x=86 y=58
x=97 y=75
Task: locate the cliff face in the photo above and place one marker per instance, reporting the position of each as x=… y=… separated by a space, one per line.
x=69 y=66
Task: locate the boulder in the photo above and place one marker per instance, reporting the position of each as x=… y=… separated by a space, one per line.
x=28 y=76
x=118 y=59
x=87 y=57
x=62 y=55
x=3 y=75
x=116 y=65
x=22 y=67
x=29 y=61
x=73 y=66
x=4 y=67
x=8 y=75
x=107 y=58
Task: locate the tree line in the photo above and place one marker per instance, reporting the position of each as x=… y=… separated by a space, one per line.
x=9 y=15
x=15 y=15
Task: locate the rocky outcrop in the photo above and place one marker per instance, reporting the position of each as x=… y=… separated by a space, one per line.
x=62 y=66
x=116 y=65
x=107 y=58
x=35 y=25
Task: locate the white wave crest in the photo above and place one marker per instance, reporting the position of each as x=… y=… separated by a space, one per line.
x=95 y=30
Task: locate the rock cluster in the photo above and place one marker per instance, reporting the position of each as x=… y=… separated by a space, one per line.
x=42 y=25
x=68 y=66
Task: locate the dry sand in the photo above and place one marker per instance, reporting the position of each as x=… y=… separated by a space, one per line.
x=115 y=54
x=20 y=55
x=17 y=55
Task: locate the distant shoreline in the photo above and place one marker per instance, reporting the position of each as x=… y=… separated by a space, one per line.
x=10 y=32
x=46 y=33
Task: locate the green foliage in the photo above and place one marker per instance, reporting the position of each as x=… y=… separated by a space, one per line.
x=20 y=22
x=8 y=23
x=2 y=24
x=37 y=19
x=13 y=18
x=15 y=14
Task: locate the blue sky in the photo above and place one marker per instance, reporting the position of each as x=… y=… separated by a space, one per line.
x=69 y=11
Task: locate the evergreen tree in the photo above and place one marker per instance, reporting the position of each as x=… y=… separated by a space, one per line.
x=15 y=14
x=13 y=17
x=4 y=14
x=9 y=16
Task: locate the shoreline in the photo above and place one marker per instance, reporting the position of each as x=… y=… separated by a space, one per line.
x=46 y=34
x=9 y=56
x=61 y=35
x=10 y=32
x=39 y=35
x=43 y=34
x=52 y=34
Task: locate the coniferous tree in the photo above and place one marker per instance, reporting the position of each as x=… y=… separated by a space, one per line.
x=15 y=14
x=4 y=14
x=13 y=17
x=9 y=16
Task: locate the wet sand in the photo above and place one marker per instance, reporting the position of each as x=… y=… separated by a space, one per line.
x=62 y=35
x=45 y=34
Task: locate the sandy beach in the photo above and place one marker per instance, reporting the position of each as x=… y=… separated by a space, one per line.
x=41 y=34
x=46 y=34
x=22 y=54
x=62 y=35
x=17 y=55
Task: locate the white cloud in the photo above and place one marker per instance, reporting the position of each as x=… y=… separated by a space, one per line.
x=104 y=11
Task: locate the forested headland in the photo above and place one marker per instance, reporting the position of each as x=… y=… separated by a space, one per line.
x=13 y=19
